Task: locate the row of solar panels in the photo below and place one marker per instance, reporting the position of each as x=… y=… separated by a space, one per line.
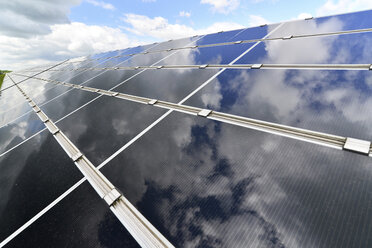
x=199 y=182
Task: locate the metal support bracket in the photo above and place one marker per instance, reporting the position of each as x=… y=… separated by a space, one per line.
x=112 y=197
x=204 y=112
x=309 y=18
x=37 y=109
x=287 y=37
x=256 y=66
x=77 y=156
x=357 y=145
x=115 y=94
x=159 y=67
x=203 y=66
x=152 y=102
x=43 y=118
x=370 y=67
x=263 y=25
x=238 y=42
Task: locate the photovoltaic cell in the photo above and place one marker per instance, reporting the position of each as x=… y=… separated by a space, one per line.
x=167 y=85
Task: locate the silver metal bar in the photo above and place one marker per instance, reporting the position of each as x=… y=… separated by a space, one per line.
x=137 y=225
x=239 y=66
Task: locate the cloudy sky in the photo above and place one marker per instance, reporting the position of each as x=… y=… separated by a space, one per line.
x=41 y=31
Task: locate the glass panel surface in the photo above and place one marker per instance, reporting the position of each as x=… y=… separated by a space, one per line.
x=165 y=84
x=335 y=102
x=352 y=21
x=81 y=219
x=14 y=130
x=32 y=176
x=218 y=37
x=107 y=124
x=67 y=103
x=104 y=79
x=173 y=44
x=209 y=184
x=337 y=49
x=206 y=55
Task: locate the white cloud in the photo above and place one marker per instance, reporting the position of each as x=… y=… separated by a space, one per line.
x=184 y=14
x=160 y=28
x=101 y=4
x=255 y=20
x=343 y=6
x=24 y=18
x=64 y=41
x=222 y=6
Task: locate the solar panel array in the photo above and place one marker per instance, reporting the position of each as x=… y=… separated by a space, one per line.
x=258 y=137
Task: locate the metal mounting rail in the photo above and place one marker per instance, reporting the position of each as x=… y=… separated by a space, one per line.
x=329 y=140
x=233 y=66
x=137 y=225
x=289 y=37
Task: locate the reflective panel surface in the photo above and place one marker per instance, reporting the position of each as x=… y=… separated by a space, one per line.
x=107 y=124
x=335 y=102
x=209 y=184
x=168 y=85
x=337 y=49
x=351 y=21
x=81 y=219
x=32 y=176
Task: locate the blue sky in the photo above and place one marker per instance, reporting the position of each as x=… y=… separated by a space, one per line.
x=42 y=31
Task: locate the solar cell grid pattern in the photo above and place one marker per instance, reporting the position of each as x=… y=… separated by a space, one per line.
x=250 y=178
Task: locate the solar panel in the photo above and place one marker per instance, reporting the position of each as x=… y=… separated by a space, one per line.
x=256 y=137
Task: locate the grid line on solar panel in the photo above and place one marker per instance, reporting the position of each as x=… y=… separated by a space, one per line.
x=166 y=114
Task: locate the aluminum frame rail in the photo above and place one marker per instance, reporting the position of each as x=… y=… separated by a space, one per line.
x=227 y=66
x=138 y=226
x=288 y=37
x=329 y=140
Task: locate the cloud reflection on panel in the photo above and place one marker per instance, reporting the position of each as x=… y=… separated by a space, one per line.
x=350 y=48
x=207 y=184
x=332 y=101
